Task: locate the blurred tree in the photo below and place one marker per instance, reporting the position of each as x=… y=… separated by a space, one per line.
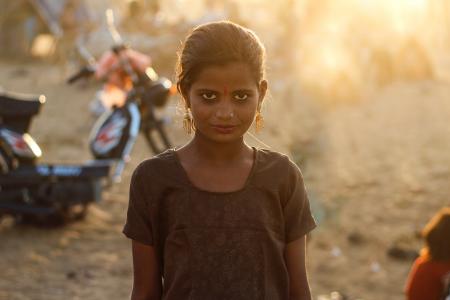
x=19 y=24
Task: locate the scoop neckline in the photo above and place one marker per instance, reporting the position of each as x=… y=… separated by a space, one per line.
x=194 y=187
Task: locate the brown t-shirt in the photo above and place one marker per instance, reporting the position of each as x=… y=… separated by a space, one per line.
x=220 y=245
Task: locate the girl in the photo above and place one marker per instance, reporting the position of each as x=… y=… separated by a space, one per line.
x=429 y=278
x=217 y=219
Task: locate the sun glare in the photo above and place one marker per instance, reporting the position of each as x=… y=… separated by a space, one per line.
x=359 y=38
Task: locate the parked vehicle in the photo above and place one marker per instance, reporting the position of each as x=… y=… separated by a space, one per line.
x=137 y=112
x=33 y=191
x=30 y=190
x=135 y=92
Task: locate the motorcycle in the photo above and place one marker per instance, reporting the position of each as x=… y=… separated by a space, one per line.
x=45 y=192
x=146 y=92
x=40 y=192
x=59 y=193
x=138 y=112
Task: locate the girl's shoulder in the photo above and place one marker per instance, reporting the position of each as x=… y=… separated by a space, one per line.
x=275 y=168
x=162 y=160
x=161 y=167
x=274 y=160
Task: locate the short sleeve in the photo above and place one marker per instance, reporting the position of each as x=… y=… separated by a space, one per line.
x=297 y=213
x=138 y=224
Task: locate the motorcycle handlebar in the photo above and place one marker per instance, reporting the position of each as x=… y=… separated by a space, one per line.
x=83 y=72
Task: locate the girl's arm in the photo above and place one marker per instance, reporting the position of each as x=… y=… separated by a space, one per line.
x=294 y=254
x=147 y=278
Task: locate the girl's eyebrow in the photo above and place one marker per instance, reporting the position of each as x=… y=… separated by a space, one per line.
x=205 y=90
x=243 y=90
x=239 y=90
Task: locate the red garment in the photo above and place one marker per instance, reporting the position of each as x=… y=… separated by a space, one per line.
x=110 y=65
x=118 y=83
x=426 y=279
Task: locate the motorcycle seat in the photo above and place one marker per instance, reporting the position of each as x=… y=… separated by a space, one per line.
x=14 y=104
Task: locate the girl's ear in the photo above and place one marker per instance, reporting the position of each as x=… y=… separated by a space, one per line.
x=187 y=103
x=262 y=92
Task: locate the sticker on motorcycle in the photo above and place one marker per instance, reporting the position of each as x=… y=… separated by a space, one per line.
x=21 y=144
x=59 y=170
x=110 y=134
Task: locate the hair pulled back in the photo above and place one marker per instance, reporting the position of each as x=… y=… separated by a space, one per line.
x=437 y=236
x=218 y=43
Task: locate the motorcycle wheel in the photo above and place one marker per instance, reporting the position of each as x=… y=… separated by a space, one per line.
x=157 y=138
x=63 y=216
x=75 y=212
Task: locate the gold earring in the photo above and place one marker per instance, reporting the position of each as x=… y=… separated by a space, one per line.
x=188 y=122
x=259 y=122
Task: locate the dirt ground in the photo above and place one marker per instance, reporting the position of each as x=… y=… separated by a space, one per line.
x=376 y=170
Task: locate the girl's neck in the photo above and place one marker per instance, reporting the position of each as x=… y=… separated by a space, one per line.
x=218 y=152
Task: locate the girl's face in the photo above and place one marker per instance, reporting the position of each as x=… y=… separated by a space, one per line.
x=224 y=100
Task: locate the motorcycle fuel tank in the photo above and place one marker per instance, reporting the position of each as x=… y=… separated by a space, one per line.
x=115 y=132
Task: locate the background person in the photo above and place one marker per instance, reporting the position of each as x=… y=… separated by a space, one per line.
x=430 y=274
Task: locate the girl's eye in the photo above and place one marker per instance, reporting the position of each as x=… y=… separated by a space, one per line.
x=241 y=96
x=209 y=96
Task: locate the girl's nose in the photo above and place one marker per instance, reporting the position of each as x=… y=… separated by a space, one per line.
x=225 y=112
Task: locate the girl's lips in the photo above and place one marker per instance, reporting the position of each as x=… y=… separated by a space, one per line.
x=224 y=129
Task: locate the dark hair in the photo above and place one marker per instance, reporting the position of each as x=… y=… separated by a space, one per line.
x=218 y=43
x=437 y=236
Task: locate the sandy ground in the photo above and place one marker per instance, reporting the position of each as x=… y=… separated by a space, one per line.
x=376 y=170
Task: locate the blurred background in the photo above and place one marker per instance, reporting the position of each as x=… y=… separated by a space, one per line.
x=359 y=98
